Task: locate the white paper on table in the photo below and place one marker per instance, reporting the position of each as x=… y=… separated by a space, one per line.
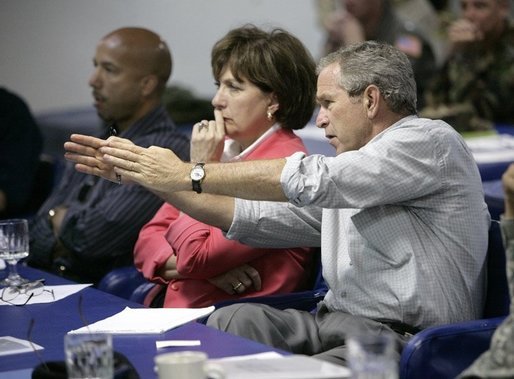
x=59 y=292
x=145 y=320
x=176 y=343
x=492 y=149
x=275 y=366
x=11 y=345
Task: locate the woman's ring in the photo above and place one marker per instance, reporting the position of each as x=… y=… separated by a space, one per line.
x=118 y=178
x=236 y=287
x=203 y=125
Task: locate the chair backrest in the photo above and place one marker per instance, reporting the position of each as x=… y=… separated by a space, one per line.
x=497 y=294
x=494 y=197
x=444 y=351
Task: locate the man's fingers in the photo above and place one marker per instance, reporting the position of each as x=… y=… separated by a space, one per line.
x=79 y=149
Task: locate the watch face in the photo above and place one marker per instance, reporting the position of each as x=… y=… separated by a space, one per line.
x=197 y=173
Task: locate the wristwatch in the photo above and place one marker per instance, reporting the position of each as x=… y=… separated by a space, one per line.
x=197 y=176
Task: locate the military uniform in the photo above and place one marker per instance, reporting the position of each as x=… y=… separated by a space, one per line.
x=498 y=361
x=475 y=87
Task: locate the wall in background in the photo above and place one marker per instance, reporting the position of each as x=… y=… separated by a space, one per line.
x=47 y=46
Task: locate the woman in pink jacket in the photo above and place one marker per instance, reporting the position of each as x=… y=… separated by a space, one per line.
x=266 y=86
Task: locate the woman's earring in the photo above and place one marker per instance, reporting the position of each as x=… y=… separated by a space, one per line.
x=270 y=115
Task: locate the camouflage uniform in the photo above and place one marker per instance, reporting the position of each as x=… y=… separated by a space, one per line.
x=475 y=87
x=498 y=361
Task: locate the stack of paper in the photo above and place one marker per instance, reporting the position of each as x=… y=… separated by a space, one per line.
x=279 y=367
x=145 y=320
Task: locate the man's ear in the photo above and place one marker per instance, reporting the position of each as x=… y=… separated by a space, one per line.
x=149 y=84
x=371 y=101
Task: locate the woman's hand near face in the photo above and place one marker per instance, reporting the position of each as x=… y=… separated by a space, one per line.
x=207 y=139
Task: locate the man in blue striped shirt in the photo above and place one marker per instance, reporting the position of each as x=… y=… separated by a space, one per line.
x=88 y=226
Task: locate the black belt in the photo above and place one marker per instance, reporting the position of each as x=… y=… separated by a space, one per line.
x=402 y=329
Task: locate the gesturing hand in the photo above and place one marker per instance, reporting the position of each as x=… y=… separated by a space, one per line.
x=155 y=168
x=85 y=152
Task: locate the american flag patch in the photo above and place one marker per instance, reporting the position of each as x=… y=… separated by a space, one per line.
x=410 y=45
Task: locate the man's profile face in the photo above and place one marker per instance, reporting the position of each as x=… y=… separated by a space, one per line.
x=344 y=118
x=486 y=15
x=116 y=82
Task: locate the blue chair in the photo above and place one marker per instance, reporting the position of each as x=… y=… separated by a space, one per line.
x=140 y=293
x=121 y=281
x=445 y=351
x=494 y=197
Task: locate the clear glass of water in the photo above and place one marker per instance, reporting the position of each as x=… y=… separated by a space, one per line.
x=372 y=356
x=14 y=245
x=89 y=356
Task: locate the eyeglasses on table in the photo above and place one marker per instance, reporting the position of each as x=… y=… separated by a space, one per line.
x=20 y=295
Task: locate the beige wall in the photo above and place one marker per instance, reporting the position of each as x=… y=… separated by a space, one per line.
x=47 y=45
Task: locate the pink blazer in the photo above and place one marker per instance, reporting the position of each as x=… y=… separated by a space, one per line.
x=203 y=252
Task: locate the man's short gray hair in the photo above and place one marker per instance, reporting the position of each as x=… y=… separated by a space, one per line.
x=379 y=64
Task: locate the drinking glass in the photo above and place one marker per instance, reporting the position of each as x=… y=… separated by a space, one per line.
x=89 y=356
x=372 y=356
x=14 y=245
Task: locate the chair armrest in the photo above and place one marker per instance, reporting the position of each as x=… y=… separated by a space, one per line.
x=445 y=351
x=121 y=281
x=140 y=293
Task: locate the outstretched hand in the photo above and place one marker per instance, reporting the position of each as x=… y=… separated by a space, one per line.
x=85 y=152
x=155 y=168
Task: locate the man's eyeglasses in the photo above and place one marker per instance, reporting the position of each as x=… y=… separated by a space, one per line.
x=21 y=294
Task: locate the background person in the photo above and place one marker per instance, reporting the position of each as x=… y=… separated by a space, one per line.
x=266 y=85
x=21 y=144
x=86 y=227
x=472 y=89
x=383 y=210
x=356 y=21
